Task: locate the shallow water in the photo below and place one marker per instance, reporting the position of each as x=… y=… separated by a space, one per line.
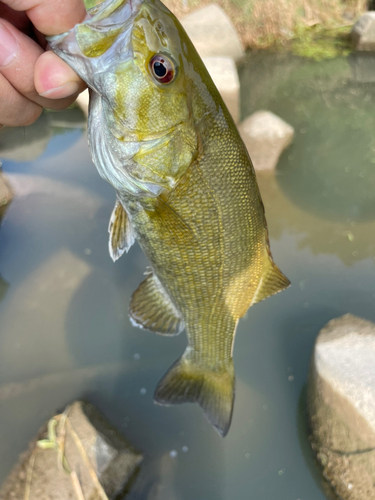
x=64 y=330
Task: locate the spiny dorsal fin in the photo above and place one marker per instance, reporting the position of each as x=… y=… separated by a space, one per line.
x=121 y=235
x=273 y=281
x=151 y=308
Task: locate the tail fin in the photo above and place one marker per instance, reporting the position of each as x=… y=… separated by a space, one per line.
x=213 y=390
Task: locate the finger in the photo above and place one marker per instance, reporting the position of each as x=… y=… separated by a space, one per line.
x=18 y=19
x=16 y=110
x=18 y=57
x=51 y=17
x=54 y=79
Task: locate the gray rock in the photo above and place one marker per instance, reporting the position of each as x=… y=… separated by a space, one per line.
x=363 y=32
x=265 y=136
x=341 y=404
x=6 y=194
x=223 y=72
x=94 y=460
x=42 y=303
x=213 y=33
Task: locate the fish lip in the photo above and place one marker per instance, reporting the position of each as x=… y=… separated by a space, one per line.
x=94 y=18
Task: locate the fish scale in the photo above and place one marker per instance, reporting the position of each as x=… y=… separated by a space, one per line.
x=187 y=193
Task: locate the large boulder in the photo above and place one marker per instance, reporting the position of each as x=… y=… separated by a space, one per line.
x=363 y=32
x=213 y=33
x=223 y=72
x=265 y=136
x=341 y=403
x=77 y=455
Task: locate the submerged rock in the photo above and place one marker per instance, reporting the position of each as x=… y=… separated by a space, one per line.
x=265 y=136
x=213 y=33
x=77 y=455
x=223 y=72
x=341 y=402
x=6 y=194
x=363 y=32
x=362 y=65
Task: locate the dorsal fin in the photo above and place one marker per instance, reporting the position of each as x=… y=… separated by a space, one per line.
x=151 y=308
x=121 y=235
x=273 y=281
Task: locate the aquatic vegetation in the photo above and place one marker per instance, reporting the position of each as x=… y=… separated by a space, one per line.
x=318 y=42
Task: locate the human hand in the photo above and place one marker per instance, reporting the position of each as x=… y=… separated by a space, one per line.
x=32 y=78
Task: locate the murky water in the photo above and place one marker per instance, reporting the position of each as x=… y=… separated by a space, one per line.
x=64 y=330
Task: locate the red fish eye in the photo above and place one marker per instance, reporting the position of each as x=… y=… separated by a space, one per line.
x=162 y=68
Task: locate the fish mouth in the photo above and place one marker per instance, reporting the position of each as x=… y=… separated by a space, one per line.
x=106 y=26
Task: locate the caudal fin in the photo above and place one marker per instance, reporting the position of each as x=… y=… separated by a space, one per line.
x=213 y=390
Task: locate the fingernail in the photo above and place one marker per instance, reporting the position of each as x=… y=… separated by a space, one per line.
x=65 y=90
x=8 y=46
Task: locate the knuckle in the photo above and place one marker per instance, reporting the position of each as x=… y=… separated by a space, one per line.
x=22 y=117
x=15 y=109
x=30 y=116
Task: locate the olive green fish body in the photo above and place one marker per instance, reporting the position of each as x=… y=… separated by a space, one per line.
x=186 y=190
x=208 y=235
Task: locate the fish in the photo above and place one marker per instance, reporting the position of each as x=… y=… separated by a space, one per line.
x=161 y=135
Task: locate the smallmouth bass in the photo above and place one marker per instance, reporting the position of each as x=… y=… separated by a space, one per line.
x=160 y=133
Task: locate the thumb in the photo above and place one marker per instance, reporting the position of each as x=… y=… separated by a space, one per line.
x=51 y=17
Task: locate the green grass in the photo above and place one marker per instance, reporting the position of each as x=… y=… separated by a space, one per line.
x=319 y=43
x=317 y=29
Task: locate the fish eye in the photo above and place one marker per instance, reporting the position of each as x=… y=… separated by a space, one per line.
x=162 y=68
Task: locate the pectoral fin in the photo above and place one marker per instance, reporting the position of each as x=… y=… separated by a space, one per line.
x=121 y=235
x=172 y=222
x=273 y=281
x=151 y=308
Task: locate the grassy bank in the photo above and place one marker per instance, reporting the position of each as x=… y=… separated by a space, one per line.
x=315 y=28
x=311 y=28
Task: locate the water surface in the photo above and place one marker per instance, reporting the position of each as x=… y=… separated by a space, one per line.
x=64 y=329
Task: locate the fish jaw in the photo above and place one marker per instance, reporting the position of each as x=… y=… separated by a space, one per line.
x=94 y=47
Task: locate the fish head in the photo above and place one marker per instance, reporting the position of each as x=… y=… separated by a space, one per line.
x=130 y=53
x=144 y=73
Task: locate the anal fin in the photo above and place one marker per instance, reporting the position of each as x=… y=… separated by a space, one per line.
x=121 y=235
x=273 y=281
x=151 y=308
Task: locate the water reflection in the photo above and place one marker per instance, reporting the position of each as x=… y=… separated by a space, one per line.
x=28 y=143
x=3 y=288
x=64 y=329
x=329 y=171
x=348 y=239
